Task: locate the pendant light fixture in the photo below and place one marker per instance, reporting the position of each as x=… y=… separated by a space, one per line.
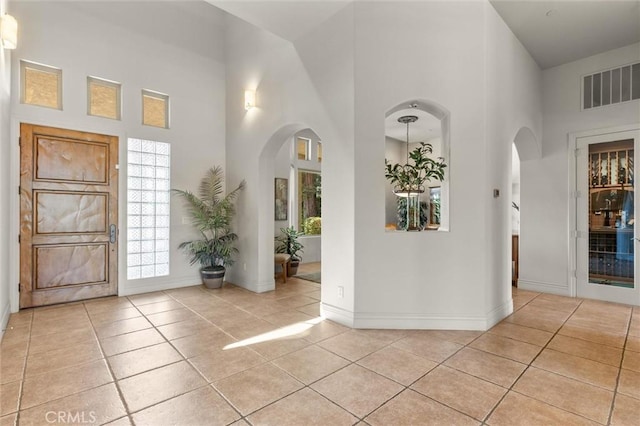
x=408 y=190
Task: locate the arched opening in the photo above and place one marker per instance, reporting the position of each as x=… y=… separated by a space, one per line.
x=515 y=215
x=277 y=160
x=524 y=147
x=429 y=123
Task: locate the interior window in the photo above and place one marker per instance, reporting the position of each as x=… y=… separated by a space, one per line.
x=309 y=202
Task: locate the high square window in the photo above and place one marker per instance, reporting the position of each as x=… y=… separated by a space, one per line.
x=41 y=85
x=103 y=98
x=155 y=109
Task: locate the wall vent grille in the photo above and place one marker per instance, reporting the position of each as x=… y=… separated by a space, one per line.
x=612 y=86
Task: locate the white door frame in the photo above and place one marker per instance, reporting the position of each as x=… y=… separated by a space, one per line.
x=573 y=195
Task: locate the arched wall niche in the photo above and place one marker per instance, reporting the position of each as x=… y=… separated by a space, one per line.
x=444 y=116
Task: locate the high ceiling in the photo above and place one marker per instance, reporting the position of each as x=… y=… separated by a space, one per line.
x=554 y=32
x=557 y=32
x=288 y=19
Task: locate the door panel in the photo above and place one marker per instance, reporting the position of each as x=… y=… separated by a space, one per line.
x=70 y=264
x=68 y=199
x=71 y=160
x=71 y=213
x=606 y=265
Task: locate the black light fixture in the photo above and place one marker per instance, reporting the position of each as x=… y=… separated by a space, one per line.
x=408 y=190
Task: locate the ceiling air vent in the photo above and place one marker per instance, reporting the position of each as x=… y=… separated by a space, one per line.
x=611 y=87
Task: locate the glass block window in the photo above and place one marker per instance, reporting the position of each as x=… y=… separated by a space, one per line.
x=148 y=183
x=41 y=85
x=302 y=148
x=612 y=86
x=155 y=109
x=103 y=98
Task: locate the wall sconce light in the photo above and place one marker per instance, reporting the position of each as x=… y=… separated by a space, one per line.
x=249 y=99
x=9 y=32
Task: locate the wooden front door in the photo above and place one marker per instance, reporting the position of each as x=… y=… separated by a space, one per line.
x=68 y=215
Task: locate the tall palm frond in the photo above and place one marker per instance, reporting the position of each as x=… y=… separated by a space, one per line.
x=212 y=213
x=212 y=186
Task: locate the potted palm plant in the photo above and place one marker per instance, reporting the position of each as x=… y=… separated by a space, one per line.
x=211 y=213
x=287 y=242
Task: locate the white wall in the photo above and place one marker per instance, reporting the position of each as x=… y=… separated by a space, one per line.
x=326 y=83
x=544 y=183
x=436 y=279
x=513 y=101
x=327 y=54
x=90 y=39
x=287 y=102
x=5 y=178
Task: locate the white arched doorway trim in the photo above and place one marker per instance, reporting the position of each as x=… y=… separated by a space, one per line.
x=528 y=148
x=265 y=213
x=527 y=145
x=442 y=114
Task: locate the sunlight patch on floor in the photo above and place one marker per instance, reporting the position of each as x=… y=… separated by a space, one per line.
x=281 y=333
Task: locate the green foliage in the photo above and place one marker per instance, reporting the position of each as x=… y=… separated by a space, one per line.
x=312 y=225
x=211 y=213
x=411 y=177
x=436 y=210
x=287 y=242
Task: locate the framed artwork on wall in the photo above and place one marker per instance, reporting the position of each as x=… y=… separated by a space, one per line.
x=281 y=198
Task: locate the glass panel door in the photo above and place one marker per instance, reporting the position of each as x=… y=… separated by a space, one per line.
x=611 y=214
x=606 y=267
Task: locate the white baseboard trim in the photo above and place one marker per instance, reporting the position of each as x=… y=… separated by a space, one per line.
x=336 y=314
x=499 y=313
x=403 y=321
x=4 y=320
x=258 y=287
x=542 y=287
x=157 y=286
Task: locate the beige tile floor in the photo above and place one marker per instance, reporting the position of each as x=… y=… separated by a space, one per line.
x=193 y=356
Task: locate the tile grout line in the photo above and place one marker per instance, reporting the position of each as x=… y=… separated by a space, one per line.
x=24 y=371
x=59 y=369
x=208 y=384
x=154 y=327
x=317 y=343
x=624 y=350
x=530 y=365
x=510 y=388
x=270 y=362
x=342 y=368
x=113 y=376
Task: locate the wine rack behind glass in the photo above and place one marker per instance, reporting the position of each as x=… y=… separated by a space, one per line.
x=611 y=214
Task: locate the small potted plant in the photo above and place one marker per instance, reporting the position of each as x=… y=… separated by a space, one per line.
x=287 y=242
x=211 y=213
